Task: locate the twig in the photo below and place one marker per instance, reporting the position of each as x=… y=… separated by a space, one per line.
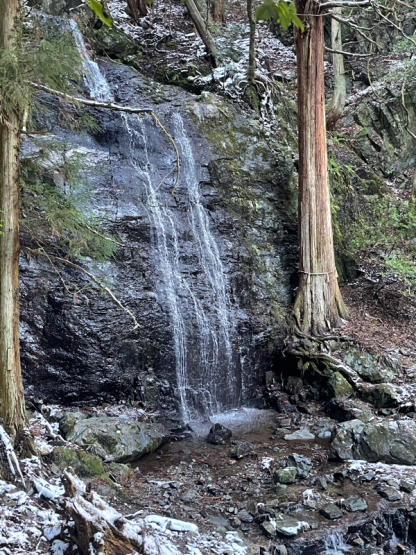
x=91 y=276
x=345 y=4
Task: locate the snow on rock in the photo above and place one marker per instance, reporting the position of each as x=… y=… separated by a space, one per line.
x=166 y=523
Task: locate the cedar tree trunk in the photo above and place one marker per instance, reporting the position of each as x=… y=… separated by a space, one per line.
x=12 y=405
x=319 y=305
x=336 y=105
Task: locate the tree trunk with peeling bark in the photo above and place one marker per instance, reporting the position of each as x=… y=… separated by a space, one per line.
x=336 y=105
x=12 y=405
x=319 y=305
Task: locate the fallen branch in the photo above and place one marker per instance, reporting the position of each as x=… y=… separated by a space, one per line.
x=91 y=276
x=11 y=455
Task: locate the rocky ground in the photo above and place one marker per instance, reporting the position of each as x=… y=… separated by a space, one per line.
x=326 y=467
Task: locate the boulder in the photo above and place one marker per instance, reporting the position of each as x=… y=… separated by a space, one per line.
x=241 y=449
x=380 y=396
x=218 y=434
x=348 y=409
x=285 y=525
x=339 y=387
x=285 y=475
x=302 y=464
x=389 y=493
x=370 y=367
x=355 y=504
x=122 y=440
x=389 y=442
x=331 y=511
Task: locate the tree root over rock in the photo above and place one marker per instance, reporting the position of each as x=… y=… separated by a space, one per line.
x=101 y=530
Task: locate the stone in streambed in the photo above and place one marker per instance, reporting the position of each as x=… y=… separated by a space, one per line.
x=407 y=486
x=389 y=493
x=284 y=525
x=331 y=511
x=285 y=475
x=354 y=504
x=241 y=449
x=302 y=464
x=218 y=434
x=301 y=434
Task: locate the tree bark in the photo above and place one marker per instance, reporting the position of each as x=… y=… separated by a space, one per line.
x=12 y=406
x=252 y=45
x=336 y=105
x=218 y=9
x=202 y=30
x=319 y=305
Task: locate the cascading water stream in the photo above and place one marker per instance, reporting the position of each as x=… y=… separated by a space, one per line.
x=93 y=78
x=334 y=545
x=207 y=376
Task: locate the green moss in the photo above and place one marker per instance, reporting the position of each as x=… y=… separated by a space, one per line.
x=84 y=464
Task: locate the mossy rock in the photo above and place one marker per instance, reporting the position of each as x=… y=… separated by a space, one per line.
x=111 y=42
x=84 y=464
x=338 y=386
x=380 y=396
x=370 y=367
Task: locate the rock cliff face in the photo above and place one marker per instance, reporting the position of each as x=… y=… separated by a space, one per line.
x=206 y=272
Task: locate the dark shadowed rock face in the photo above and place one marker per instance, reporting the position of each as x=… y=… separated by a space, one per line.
x=207 y=275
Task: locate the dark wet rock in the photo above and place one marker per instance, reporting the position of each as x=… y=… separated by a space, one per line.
x=302 y=464
x=188 y=496
x=241 y=449
x=285 y=475
x=339 y=387
x=372 y=368
x=245 y=516
x=235 y=522
x=380 y=396
x=354 y=504
x=320 y=483
x=280 y=489
x=218 y=434
x=86 y=352
x=302 y=434
x=389 y=493
x=294 y=385
x=407 y=486
x=390 y=442
x=122 y=440
x=331 y=511
x=348 y=409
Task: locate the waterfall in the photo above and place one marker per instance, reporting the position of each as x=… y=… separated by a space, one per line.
x=93 y=78
x=207 y=375
x=334 y=544
x=168 y=256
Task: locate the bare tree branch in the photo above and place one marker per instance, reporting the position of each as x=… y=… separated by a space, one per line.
x=344 y=4
x=347 y=53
